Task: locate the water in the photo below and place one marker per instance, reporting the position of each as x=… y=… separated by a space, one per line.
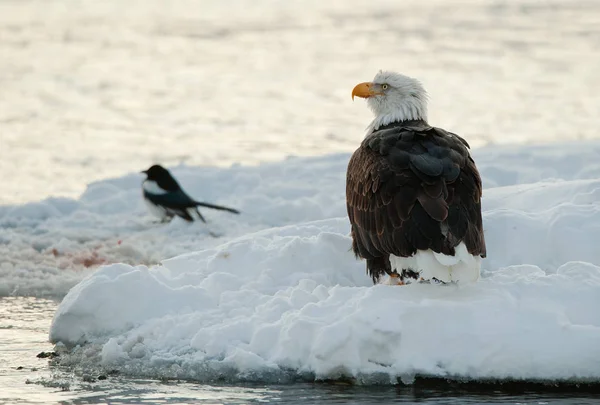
x=96 y=89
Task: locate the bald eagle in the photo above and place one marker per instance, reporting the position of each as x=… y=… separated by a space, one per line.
x=413 y=192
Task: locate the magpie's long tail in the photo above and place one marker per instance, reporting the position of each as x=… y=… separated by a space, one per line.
x=216 y=207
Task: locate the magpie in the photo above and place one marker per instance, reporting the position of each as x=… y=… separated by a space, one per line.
x=165 y=198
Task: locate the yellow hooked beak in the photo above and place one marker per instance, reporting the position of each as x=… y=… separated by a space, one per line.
x=365 y=90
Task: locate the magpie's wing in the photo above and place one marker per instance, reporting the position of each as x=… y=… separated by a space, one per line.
x=173 y=199
x=175 y=202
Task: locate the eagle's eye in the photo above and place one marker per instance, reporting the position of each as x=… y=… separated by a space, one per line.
x=384 y=86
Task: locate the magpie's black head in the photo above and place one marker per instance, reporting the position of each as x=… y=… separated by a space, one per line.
x=157 y=172
x=162 y=177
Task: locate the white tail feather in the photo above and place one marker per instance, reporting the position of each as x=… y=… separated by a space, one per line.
x=462 y=267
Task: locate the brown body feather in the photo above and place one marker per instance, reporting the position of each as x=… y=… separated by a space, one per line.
x=412 y=187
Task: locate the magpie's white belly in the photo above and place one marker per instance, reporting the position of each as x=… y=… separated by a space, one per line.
x=463 y=267
x=152 y=187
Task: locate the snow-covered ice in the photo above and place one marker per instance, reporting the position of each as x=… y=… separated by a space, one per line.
x=280 y=296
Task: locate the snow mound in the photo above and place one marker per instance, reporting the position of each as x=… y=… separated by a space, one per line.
x=252 y=321
x=49 y=246
x=292 y=302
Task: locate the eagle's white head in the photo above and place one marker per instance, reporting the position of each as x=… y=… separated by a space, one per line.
x=393 y=98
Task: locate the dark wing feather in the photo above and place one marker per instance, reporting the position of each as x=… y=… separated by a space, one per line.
x=179 y=203
x=175 y=203
x=407 y=182
x=174 y=199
